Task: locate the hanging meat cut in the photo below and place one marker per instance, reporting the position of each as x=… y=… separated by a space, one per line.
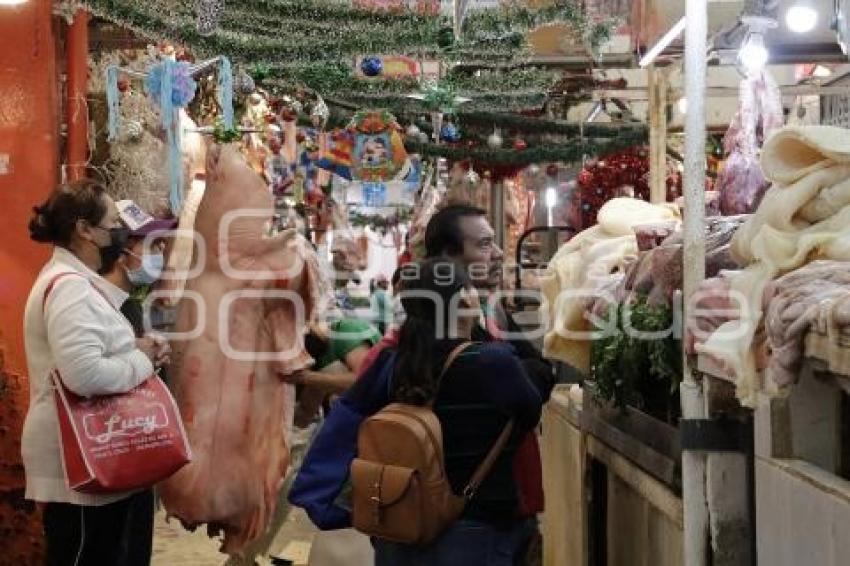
x=229 y=379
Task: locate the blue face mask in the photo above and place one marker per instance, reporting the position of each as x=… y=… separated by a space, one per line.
x=149 y=271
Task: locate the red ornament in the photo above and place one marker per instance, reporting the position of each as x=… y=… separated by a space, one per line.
x=270 y=119
x=300 y=137
x=520 y=144
x=288 y=115
x=123 y=84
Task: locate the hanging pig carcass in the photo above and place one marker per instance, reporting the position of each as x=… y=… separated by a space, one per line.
x=243 y=319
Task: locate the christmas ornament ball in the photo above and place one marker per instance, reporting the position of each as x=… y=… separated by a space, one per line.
x=413 y=131
x=446 y=37
x=494 y=141
x=520 y=144
x=423 y=137
x=372 y=66
x=450 y=133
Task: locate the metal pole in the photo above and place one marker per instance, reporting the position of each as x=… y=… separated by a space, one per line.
x=691 y=391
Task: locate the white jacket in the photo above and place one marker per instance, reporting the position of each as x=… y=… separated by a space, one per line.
x=94 y=348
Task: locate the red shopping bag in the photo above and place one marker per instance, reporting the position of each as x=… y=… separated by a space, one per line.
x=113 y=443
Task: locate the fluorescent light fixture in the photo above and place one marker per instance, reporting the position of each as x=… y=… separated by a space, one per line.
x=662 y=43
x=551 y=199
x=753 y=53
x=801 y=17
x=682 y=105
x=12 y=2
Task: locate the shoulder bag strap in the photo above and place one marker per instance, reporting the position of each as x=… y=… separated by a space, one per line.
x=52 y=283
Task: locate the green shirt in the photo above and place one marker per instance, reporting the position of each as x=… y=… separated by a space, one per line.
x=346 y=335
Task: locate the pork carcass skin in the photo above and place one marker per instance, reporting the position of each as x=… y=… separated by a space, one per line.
x=235 y=405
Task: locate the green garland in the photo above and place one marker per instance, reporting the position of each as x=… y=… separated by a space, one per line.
x=570 y=152
x=312 y=31
x=380 y=222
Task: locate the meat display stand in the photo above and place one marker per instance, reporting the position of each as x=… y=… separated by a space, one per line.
x=563 y=373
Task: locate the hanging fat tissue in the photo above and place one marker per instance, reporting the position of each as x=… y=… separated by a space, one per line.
x=803 y=217
x=237 y=408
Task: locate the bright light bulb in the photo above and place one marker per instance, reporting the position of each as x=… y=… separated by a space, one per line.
x=821 y=72
x=551 y=197
x=753 y=53
x=801 y=18
x=683 y=105
x=12 y=2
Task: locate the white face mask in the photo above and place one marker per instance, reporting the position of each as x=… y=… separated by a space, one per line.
x=149 y=271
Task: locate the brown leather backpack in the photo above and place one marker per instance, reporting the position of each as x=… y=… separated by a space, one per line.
x=400 y=488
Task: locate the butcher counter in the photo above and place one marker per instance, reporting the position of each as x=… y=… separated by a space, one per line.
x=802 y=461
x=612 y=483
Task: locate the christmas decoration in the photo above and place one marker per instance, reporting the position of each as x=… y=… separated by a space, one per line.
x=520 y=144
x=243 y=83
x=446 y=37
x=624 y=173
x=209 y=12
x=567 y=152
x=372 y=66
x=495 y=140
x=380 y=222
x=171 y=79
x=413 y=131
x=552 y=170
x=133 y=130
x=450 y=133
x=378 y=152
x=249 y=30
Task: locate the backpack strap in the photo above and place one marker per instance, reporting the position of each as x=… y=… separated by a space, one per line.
x=487 y=464
x=484 y=467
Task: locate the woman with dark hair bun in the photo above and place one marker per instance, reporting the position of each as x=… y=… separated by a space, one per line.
x=72 y=324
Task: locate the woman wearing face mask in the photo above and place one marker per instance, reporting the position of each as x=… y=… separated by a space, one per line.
x=72 y=324
x=140 y=265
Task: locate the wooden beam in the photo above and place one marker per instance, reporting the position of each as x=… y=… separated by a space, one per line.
x=658 y=87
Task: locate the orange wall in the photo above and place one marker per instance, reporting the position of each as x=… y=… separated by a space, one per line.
x=28 y=136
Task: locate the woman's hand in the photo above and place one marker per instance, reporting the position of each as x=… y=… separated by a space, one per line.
x=156 y=348
x=148 y=347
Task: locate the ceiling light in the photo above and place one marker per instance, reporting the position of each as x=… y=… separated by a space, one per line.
x=801 y=17
x=551 y=197
x=682 y=105
x=12 y=2
x=662 y=43
x=753 y=53
x=821 y=72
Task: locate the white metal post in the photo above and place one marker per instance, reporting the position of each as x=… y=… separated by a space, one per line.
x=692 y=395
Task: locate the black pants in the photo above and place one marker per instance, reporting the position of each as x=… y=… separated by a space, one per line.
x=118 y=534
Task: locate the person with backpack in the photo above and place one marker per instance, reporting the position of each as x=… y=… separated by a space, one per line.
x=474 y=394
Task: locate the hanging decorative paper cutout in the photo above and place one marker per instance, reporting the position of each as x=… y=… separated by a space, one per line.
x=378 y=153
